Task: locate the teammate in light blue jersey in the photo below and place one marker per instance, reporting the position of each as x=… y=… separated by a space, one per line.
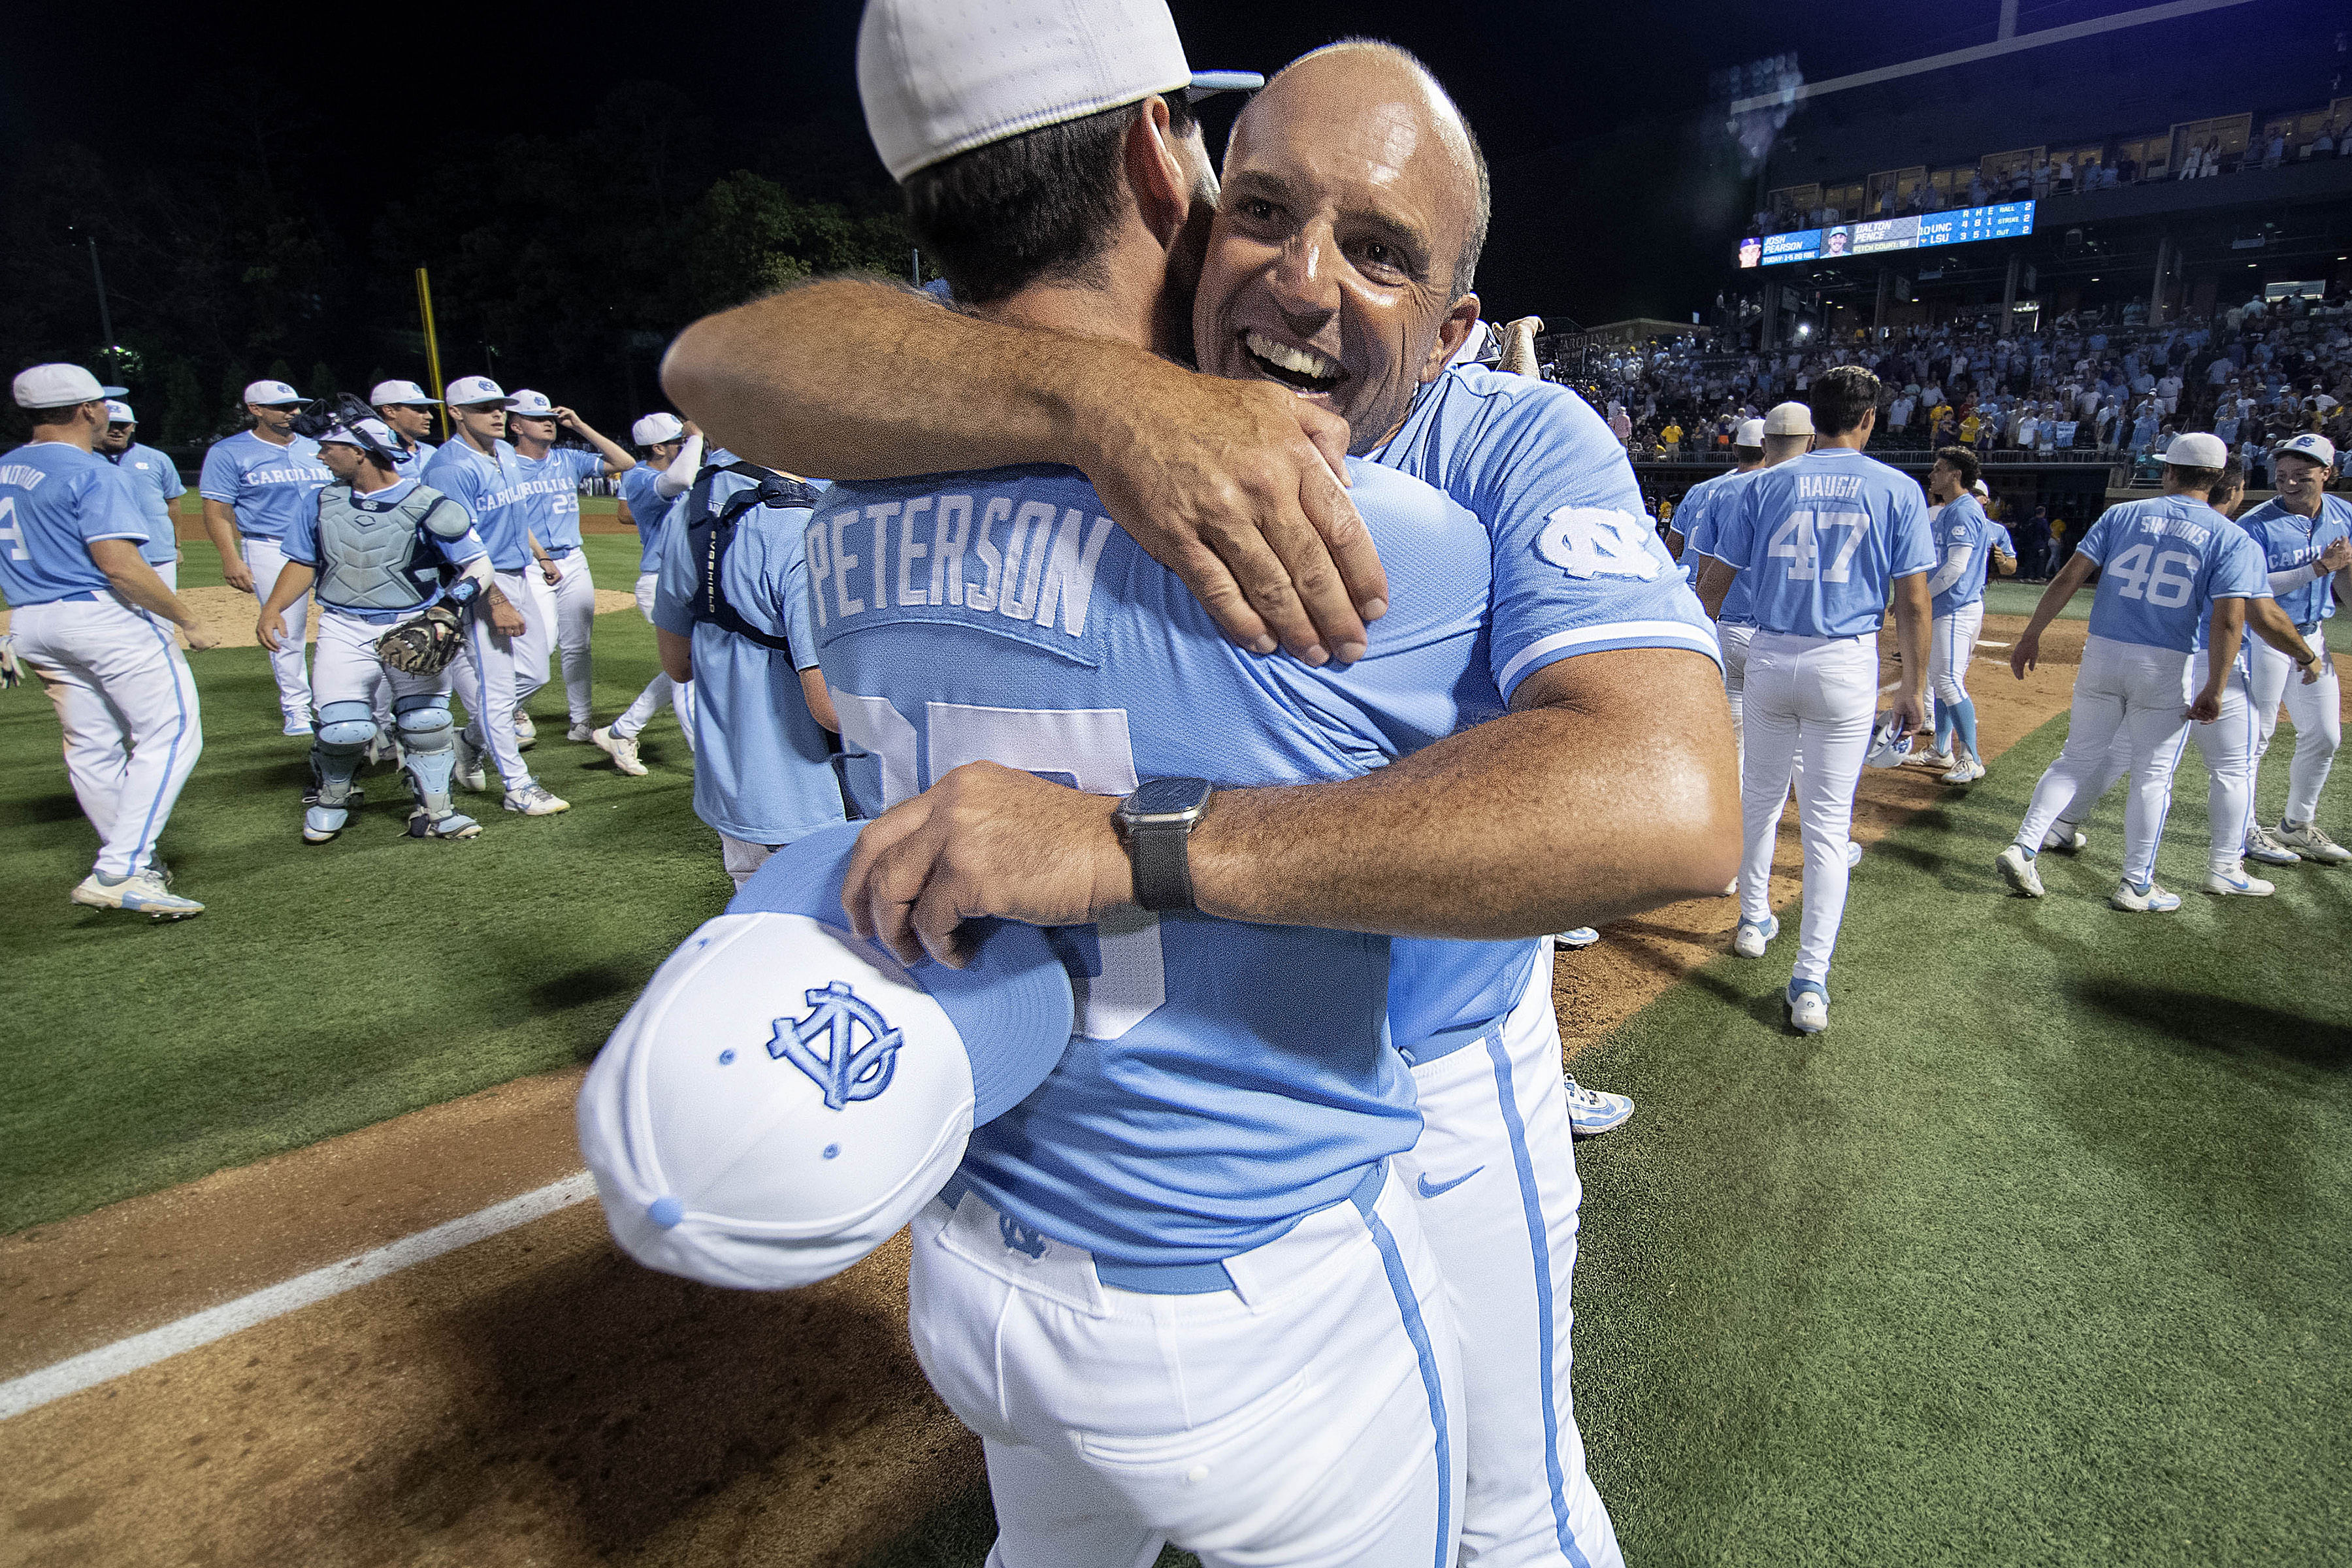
x=1748 y=455
x=156 y=479
x=763 y=757
x=2302 y=533
x=1787 y=433
x=407 y=409
x=2172 y=573
x=568 y=599
x=1824 y=540
x=649 y=494
x=1968 y=545
x=255 y=484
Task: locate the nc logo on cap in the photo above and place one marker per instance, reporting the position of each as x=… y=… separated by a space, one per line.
x=847 y=1071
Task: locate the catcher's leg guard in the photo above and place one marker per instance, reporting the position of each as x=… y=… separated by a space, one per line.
x=429 y=744
x=337 y=748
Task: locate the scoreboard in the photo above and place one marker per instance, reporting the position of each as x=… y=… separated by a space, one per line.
x=1961 y=225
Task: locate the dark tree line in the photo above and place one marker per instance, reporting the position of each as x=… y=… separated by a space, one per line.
x=257 y=246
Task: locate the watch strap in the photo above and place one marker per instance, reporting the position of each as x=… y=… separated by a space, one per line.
x=1161 y=854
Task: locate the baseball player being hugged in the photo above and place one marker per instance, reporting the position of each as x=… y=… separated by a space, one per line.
x=374 y=544
x=156 y=479
x=2306 y=536
x=567 y=599
x=255 y=484
x=501 y=667
x=2175 y=579
x=1968 y=544
x=1824 y=539
x=648 y=491
x=730 y=613
x=406 y=410
x=89 y=615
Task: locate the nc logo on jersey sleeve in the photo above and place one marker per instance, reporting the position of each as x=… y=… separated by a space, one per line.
x=1590 y=541
x=847 y=1071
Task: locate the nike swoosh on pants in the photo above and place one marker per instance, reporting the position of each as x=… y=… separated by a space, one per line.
x=1430 y=1191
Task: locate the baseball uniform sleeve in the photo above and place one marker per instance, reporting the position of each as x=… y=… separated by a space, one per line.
x=1733 y=527
x=1913 y=546
x=674 y=590
x=2239 y=570
x=167 y=478
x=2094 y=543
x=220 y=479
x=800 y=626
x=300 y=544
x=109 y=507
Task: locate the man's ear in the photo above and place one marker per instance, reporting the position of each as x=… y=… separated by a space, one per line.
x=1155 y=172
x=1459 y=319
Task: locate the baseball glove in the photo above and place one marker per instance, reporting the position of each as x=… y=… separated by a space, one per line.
x=425 y=645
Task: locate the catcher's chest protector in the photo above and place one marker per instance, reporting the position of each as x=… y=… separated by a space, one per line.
x=378 y=555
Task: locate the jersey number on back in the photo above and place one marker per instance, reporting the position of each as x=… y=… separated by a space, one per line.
x=2143 y=579
x=1798 y=542
x=1590 y=541
x=11 y=530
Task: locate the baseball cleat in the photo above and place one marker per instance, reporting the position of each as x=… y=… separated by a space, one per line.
x=2146 y=899
x=1808 y=1006
x=448 y=824
x=1592 y=1112
x=298 y=727
x=2066 y=839
x=322 y=823
x=1967 y=770
x=144 y=894
x=1731 y=888
x=1938 y=761
x=468 y=773
x=2306 y=840
x=581 y=730
x=1749 y=940
x=622 y=748
x=1582 y=936
x=525 y=733
x=2238 y=882
x=2019 y=867
x=157 y=870
x=533 y=800
x=1853 y=853
x=2262 y=846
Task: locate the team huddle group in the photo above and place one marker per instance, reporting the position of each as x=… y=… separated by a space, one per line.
x=1299 y=696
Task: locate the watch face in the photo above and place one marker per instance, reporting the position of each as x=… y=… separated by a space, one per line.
x=1167 y=797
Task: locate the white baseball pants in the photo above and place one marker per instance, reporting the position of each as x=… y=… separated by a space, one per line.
x=346 y=669
x=661 y=688
x=1950 y=646
x=568 y=607
x=1734 y=640
x=1309 y=1417
x=2228 y=745
x=1820 y=696
x=169 y=570
x=741 y=857
x=2141 y=694
x=1495 y=1177
x=2317 y=710
x=126 y=704
x=496 y=676
x=264 y=560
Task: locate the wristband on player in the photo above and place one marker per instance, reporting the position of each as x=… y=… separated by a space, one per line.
x=1156 y=826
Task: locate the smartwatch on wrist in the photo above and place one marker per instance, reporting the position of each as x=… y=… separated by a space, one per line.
x=1156 y=824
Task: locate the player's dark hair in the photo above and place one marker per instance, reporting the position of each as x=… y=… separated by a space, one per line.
x=2196 y=481
x=1841 y=399
x=1962 y=462
x=1034 y=207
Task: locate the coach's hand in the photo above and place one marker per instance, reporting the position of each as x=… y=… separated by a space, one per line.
x=2026 y=653
x=237 y=574
x=200 y=637
x=985 y=840
x=268 y=631
x=2337 y=556
x=2205 y=708
x=505 y=619
x=1236 y=487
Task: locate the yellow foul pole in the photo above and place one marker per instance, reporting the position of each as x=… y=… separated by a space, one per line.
x=432 y=345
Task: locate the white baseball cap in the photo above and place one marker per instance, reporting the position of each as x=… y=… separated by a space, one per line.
x=2310 y=444
x=2197 y=450
x=1890 y=744
x=271 y=394
x=656 y=428
x=59 y=387
x=942 y=77
x=374 y=430
x=1982 y=490
x=784 y=1096
x=1749 y=433
x=469 y=390
x=119 y=413
x=532 y=404
x=1789 y=419
x=400 y=394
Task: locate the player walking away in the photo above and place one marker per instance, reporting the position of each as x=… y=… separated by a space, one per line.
x=156 y=479
x=374 y=544
x=673 y=457
x=1824 y=539
x=567 y=601
x=1748 y=455
x=500 y=667
x=732 y=614
x=89 y=615
x=255 y=484
x=406 y=410
x=2173 y=574
x=2306 y=536
x=1967 y=543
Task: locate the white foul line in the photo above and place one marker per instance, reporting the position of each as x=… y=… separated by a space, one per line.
x=91 y=1368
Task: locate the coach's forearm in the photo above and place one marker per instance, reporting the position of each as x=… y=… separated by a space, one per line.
x=1714 y=579
x=220 y=526
x=677 y=654
x=2268 y=621
x=1612 y=789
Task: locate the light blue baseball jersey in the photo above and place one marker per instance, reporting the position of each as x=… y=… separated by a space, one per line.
x=55 y=499
x=648 y=507
x=1226 y=1079
x=1965 y=542
x=1690 y=513
x=2289 y=540
x=268 y=486
x=554 y=485
x=156 y=479
x=302 y=547
x=412 y=463
x=496 y=490
x=1823 y=537
x=763 y=764
x=2162 y=563
x=1739 y=599
x=1577 y=568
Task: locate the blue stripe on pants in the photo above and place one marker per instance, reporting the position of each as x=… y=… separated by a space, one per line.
x=1400 y=1286
x=149 y=829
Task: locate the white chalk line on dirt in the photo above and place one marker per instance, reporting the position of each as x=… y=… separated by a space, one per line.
x=91 y=1368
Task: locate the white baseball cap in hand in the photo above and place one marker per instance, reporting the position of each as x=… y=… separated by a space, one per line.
x=2310 y=444
x=400 y=394
x=1890 y=744
x=942 y=77
x=469 y=390
x=271 y=394
x=119 y=413
x=784 y=1096
x=656 y=428
x=531 y=404
x=59 y=387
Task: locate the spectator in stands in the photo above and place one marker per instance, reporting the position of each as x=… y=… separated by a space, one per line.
x=2212 y=158
x=2274 y=151
x=1670 y=440
x=2192 y=163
